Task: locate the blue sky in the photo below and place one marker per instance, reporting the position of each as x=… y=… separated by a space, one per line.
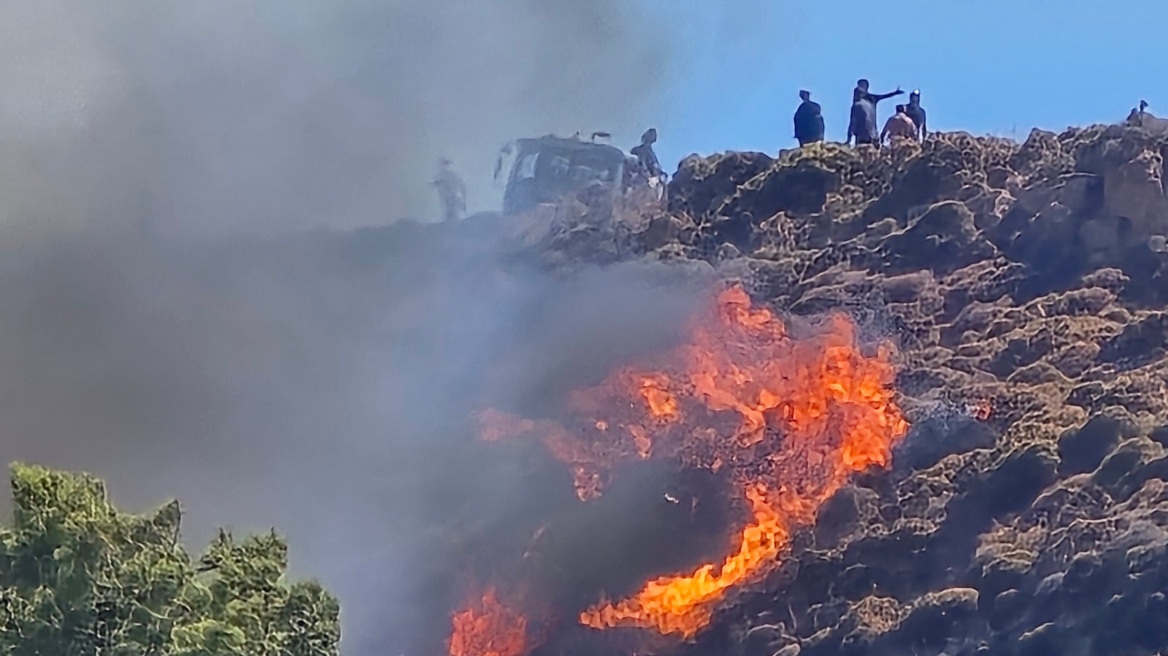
x=992 y=66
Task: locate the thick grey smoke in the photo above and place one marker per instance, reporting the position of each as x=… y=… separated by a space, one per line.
x=314 y=386
x=165 y=321
x=217 y=115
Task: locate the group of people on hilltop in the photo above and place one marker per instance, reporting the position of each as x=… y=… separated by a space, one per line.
x=909 y=122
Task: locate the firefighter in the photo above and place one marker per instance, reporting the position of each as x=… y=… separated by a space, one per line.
x=451 y=191
x=808 y=120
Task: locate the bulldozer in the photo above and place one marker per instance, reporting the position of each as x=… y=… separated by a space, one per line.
x=547 y=169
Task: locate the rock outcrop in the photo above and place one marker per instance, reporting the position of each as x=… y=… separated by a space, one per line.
x=1026 y=278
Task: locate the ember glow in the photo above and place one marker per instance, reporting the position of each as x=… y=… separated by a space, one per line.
x=790 y=419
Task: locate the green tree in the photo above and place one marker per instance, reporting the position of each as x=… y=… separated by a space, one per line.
x=79 y=578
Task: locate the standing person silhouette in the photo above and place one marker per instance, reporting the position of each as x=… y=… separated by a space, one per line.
x=808 y=120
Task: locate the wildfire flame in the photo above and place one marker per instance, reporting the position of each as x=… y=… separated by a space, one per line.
x=488 y=628
x=790 y=418
x=685 y=604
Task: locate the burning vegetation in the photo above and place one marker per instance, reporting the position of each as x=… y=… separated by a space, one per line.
x=488 y=628
x=787 y=418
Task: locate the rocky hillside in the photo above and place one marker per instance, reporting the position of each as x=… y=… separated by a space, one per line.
x=1028 y=279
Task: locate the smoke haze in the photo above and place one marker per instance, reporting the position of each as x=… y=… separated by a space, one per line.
x=166 y=321
x=219 y=116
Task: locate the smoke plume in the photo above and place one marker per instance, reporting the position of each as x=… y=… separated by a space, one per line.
x=168 y=322
x=220 y=116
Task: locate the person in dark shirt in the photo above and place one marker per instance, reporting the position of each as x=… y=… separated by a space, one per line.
x=808 y=120
x=917 y=114
x=862 y=89
x=863 y=124
x=645 y=155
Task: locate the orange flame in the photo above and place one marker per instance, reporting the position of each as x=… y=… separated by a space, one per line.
x=655 y=391
x=792 y=419
x=488 y=628
x=685 y=604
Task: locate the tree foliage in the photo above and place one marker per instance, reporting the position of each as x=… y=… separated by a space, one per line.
x=79 y=578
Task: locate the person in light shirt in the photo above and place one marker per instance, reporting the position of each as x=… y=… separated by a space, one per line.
x=451 y=191
x=899 y=126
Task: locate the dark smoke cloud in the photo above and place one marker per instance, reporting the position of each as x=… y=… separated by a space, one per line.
x=162 y=326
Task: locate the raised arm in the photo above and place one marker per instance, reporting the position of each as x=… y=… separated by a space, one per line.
x=877 y=97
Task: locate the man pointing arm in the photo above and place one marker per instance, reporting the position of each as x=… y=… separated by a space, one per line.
x=862 y=87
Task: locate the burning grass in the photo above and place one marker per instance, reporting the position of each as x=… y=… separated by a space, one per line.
x=486 y=627
x=790 y=419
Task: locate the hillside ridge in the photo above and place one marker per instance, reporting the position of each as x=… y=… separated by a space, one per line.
x=1028 y=278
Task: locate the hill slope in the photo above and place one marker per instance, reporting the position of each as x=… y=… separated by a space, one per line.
x=1023 y=280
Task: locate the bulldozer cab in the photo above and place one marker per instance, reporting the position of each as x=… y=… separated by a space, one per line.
x=546 y=169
